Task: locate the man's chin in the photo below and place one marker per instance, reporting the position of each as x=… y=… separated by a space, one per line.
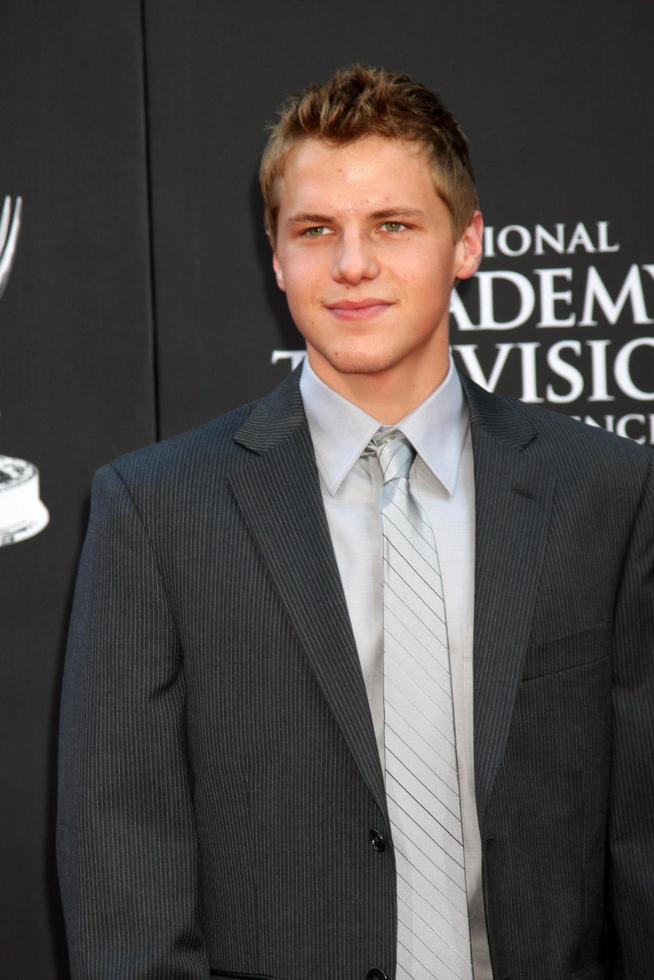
x=355 y=362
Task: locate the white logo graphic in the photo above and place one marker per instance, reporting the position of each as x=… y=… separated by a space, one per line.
x=294 y=356
x=22 y=515
x=9 y=229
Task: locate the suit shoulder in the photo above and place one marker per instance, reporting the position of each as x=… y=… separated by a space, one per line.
x=560 y=430
x=208 y=450
x=564 y=443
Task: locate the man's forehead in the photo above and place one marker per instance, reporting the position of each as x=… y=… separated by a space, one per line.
x=363 y=173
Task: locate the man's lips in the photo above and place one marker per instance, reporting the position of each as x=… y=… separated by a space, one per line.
x=361 y=309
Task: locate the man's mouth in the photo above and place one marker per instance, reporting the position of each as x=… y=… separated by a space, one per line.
x=359 y=309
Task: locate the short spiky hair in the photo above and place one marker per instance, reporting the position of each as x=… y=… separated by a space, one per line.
x=364 y=101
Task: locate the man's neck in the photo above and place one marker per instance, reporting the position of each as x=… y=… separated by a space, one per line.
x=387 y=396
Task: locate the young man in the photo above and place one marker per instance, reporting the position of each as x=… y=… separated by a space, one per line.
x=360 y=680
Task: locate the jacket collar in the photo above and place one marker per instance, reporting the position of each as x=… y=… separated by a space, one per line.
x=514 y=489
x=279 y=495
x=281 y=499
x=280 y=412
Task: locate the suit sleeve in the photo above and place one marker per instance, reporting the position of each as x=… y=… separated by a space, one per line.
x=127 y=850
x=631 y=831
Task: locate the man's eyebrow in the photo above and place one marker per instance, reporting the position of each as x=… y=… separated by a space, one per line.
x=380 y=215
x=306 y=218
x=397 y=212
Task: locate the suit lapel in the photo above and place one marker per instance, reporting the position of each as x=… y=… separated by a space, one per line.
x=513 y=494
x=279 y=494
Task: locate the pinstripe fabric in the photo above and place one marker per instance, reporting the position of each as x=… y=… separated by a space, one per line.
x=219 y=776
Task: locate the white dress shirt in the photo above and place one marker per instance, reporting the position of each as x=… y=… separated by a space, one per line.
x=442 y=479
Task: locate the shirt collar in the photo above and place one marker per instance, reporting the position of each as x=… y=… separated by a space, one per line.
x=340 y=430
x=437 y=429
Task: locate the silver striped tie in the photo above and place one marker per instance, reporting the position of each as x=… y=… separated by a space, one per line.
x=422 y=784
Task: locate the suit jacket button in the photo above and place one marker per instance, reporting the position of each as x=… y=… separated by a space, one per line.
x=376 y=974
x=378 y=841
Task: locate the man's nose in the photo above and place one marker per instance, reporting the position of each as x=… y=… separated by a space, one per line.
x=355 y=259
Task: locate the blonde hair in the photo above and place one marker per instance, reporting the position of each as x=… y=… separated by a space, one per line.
x=363 y=101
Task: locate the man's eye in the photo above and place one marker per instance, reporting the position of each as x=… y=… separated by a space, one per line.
x=393 y=226
x=316 y=232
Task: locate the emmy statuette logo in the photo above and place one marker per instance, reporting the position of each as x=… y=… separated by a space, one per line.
x=22 y=514
x=9 y=228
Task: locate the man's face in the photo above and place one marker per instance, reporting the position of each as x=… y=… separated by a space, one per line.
x=366 y=257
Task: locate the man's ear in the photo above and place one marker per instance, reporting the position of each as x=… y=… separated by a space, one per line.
x=469 y=248
x=279 y=275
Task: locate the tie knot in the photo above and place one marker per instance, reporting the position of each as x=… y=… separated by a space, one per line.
x=395 y=454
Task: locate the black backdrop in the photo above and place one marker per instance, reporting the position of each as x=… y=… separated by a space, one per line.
x=141 y=300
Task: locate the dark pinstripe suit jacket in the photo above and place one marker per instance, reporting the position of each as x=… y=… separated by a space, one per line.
x=219 y=774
